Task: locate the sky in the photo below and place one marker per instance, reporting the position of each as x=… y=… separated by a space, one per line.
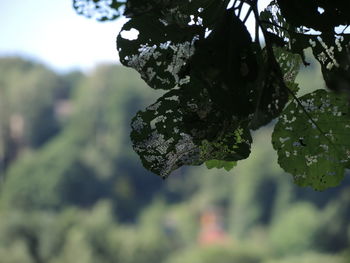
x=50 y=32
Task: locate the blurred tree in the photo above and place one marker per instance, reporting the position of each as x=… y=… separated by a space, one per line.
x=28 y=93
x=217 y=254
x=92 y=158
x=294 y=231
x=82 y=195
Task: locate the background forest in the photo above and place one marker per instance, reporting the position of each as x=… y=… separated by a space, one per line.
x=73 y=190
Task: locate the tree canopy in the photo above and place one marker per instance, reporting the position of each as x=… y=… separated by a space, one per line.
x=221 y=83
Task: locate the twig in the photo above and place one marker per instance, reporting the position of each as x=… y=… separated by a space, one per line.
x=274 y=63
x=240 y=8
x=247 y=15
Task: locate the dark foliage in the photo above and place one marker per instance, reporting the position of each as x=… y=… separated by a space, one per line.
x=221 y=83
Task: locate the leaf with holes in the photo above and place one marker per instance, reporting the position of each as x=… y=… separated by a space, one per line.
x=177 y=131
x=331 y=50
x=101 y=10
x=159 y=52
x=333 y=54
x=316 y=155
x=288 y=62
x=166 y=40
x=319 y=15
x=182 y=13
x=268 y=95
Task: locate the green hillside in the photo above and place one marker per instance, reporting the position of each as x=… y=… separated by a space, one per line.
x=73 y=190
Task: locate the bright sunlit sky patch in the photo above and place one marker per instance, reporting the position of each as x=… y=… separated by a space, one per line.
x=51 y=32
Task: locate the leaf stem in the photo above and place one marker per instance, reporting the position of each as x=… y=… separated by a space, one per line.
x=345 y=28
x=274 y=64
x=240 y=8
x=234 y=3
x=247 y=15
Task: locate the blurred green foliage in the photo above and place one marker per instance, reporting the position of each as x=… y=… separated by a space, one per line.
x=78 y=193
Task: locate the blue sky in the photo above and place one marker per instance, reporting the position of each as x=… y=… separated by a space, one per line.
x=51 y=32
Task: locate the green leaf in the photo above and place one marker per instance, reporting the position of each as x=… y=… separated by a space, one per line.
x=166 y=39
x=306 y=13
x=160 y=51
x=333 y=54
x=316 y=155
x=288 y=62
x=101 y=10
x=227 y=65
x=220 y=164
x=273 y=21
x=290 y=22
x=179 y=12
x=178 y=130
x=268 y=95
